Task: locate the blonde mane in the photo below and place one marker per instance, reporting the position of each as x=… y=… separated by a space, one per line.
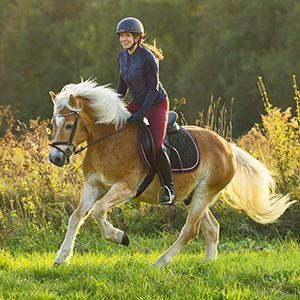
x=103 y=100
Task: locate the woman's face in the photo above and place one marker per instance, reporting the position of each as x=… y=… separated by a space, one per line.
x=126 y=40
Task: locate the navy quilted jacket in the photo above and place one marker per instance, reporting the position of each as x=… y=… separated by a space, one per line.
x=139 y=73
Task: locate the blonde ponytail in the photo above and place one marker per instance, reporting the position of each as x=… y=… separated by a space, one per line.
x=157 y=52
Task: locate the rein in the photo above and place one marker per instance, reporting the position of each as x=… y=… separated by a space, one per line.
x=70 y=147
x=97 y=141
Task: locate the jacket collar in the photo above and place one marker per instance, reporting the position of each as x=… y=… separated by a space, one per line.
x=137 y=51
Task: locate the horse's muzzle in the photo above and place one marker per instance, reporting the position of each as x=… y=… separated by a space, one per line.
x=58 y=158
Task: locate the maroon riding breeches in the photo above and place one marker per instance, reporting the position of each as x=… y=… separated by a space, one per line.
x=158 y=119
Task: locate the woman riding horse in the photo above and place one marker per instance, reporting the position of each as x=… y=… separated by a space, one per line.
x=113 y=171
x=139 y=73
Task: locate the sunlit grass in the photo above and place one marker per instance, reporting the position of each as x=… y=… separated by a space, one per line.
x=127 y=273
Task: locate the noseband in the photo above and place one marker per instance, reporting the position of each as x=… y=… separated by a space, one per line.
x=70 y=146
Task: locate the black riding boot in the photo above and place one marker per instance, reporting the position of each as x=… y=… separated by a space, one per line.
x=164 y=167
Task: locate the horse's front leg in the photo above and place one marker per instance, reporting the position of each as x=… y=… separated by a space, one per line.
x=119 y=193
x=88 y=198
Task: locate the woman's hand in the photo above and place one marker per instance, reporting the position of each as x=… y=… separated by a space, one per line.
x=136 y=118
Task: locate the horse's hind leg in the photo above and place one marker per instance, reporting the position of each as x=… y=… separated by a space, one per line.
x=190 y=230
x=88 y=198
x=210 y=228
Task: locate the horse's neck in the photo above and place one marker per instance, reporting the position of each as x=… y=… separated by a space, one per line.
x=110 y=138
x=100 y=131
x=97 y=131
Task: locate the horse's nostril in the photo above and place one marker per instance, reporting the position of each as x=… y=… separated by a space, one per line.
x=58 y=161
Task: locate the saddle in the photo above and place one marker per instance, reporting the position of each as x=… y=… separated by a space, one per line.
x=181 y=147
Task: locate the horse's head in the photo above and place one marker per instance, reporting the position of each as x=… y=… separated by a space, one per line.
x=70 y=128
x=77 y=108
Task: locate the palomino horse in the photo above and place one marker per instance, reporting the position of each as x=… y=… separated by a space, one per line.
x=113 y=171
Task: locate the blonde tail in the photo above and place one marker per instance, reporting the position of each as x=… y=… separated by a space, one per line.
x=252 y=189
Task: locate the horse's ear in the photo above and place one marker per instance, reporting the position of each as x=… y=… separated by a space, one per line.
x=53 y=95
x=72 y=101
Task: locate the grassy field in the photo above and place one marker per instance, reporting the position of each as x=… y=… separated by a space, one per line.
x=243 y=270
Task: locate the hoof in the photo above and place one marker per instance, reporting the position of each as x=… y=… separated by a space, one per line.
x=125 y=240
x=56 y=264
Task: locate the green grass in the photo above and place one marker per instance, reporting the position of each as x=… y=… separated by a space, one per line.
x=243 y=270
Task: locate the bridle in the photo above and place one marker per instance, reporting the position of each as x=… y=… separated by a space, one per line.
x=70 y=146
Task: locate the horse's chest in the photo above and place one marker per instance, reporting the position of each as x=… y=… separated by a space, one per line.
x=99 y=179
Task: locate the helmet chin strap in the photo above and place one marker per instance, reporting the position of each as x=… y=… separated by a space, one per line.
x=134 y=43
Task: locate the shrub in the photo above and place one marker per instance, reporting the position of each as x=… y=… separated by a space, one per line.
x=33 y=193
x=276 y=143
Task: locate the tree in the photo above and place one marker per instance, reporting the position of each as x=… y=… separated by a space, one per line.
x=214 y=47
x=239 y=40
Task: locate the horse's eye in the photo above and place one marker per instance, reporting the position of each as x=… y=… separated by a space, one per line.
x=69 y=126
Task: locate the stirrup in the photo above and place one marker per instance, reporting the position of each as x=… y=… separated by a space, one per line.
x=170 y=202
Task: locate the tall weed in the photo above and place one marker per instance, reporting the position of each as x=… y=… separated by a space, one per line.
x=276 y=143
x=33 y=193
x=216 y=118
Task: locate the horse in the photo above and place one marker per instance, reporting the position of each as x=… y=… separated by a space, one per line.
x=113 y=170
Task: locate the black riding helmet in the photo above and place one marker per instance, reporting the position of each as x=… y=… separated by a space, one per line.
x=132 y=25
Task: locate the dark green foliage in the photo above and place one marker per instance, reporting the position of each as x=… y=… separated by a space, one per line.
x=214 y=47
